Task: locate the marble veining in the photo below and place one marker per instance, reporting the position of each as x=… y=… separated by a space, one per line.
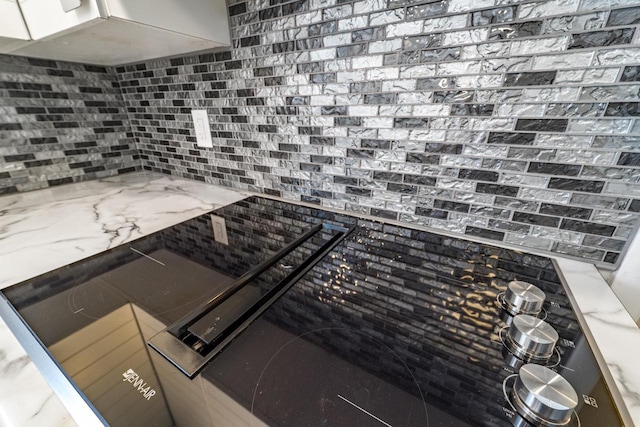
x=65 y=224
x=26 y=400
x=614 y=331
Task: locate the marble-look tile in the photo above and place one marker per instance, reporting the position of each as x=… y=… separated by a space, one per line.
x=45 y=230
x=612 y=328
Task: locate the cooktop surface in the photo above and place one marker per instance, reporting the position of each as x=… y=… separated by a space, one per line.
x=272 y=313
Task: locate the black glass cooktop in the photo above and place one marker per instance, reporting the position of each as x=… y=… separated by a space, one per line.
x=339 y=322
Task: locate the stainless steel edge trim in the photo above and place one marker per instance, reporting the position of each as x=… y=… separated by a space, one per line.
x=78 y=406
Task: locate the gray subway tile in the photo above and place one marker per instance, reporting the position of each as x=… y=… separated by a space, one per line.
x=601 y=38
x=625 y=16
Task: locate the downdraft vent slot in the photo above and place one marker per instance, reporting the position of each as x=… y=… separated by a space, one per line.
x=193 y=341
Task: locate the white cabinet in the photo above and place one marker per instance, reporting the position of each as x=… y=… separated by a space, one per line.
x=114 y=32
x=11 y=23
x=13 y=31
x=47 y=17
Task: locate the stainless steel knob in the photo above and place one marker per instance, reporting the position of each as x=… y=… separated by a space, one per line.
x=523 y=298
x=543 y=396
x=531 y=338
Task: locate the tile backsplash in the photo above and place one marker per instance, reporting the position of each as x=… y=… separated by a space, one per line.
x=512 y=121
x=60 y=123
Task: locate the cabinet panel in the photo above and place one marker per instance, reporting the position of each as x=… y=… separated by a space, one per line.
x=205 y=19
x=47 y=17
x=115 y=42
x=11 y=22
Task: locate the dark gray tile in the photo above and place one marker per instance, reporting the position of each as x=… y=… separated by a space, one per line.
x=472 y=109
x=387 y=176
x=435 y=83
x=420 y=180
x=435 y=147
x=323 y=78
x=322 y=28
x=626 y=16
x=451 y=206
x=601 y=38
x=294 y=7
x=380 y=98
x=611 y=257
x=423 y=158
x=539 y=78
x=511 y=138
x=348 y=121
x=629 y=159
x=365 y=87
x=402 y=188
x=623 y=109
x=432 y=213
x=334 y=110
x=410 y=122
x=358 y=191
x=360 y=154
x=565 y=211
x=481 y=232
x=384 y=213
x=351 y=50
x=368 y=34
x=309 y=43
x=587 y=227
x=322 y=140
x=502 y=190
x=576 y=185
x=478 y=175
x=527 y=218
x=542 y=125
x=250 y=41
x=237 y=9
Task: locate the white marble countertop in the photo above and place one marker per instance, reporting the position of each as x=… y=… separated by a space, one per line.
x=43 y=230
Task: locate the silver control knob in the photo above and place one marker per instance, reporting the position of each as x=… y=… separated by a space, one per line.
x=531 y=339
x=523 y=298
x=543 y=396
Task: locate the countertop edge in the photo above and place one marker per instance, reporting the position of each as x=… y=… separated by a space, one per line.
x=611 y=332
